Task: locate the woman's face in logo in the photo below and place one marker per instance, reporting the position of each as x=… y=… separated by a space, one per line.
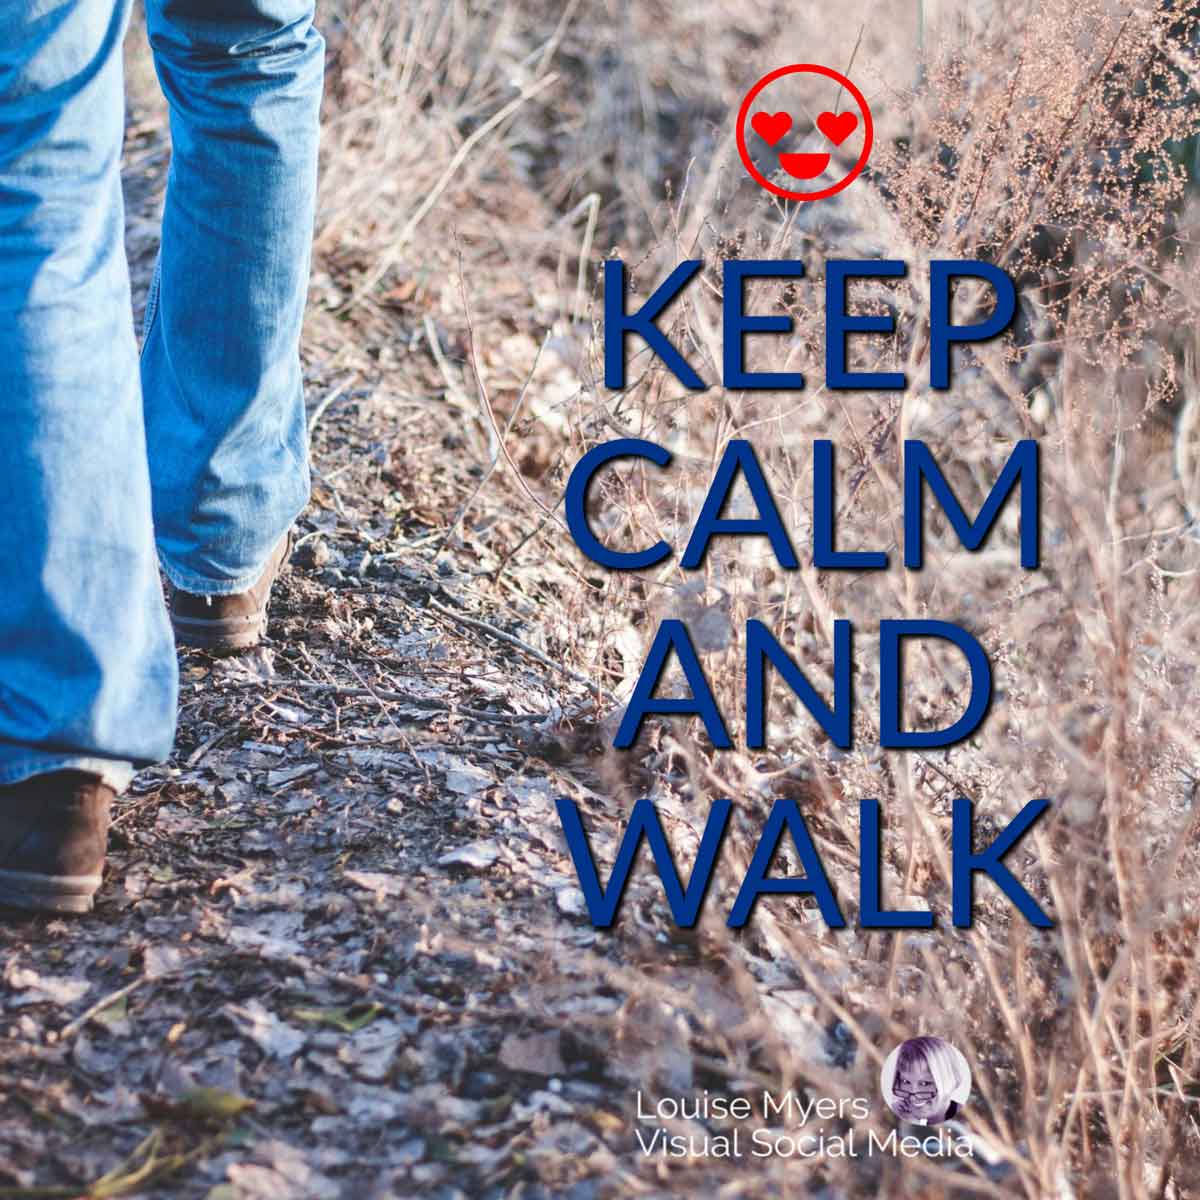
x=915 y=1090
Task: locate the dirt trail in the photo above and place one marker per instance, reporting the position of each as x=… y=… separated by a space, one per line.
x=342 y=904
x=339 y=950
x=338 y=900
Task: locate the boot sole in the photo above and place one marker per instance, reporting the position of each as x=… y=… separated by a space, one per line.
x=218 y=635
x=31 y=892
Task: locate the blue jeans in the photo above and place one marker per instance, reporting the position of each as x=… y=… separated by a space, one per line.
x=194 y=459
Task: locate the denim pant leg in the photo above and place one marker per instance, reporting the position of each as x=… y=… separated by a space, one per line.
x=221 y=373
x=87 y=663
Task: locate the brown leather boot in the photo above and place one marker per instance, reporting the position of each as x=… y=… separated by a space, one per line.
x=53 y=834
x=225 y=623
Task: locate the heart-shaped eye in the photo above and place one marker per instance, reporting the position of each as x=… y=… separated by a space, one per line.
x=837 y=127
x=771 y=126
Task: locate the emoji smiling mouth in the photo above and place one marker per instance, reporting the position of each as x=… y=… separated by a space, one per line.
x=804 y=166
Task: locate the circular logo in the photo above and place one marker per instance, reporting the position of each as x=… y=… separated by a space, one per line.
x=925 y=1080
x=776 y=131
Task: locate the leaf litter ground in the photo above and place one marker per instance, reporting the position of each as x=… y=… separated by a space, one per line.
x=339 y=950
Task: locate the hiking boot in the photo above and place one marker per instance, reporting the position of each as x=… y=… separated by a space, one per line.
x=222 y=624
x=53 y=833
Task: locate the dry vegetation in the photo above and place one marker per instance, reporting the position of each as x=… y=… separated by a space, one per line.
x=1050 y=138
x=480 y=162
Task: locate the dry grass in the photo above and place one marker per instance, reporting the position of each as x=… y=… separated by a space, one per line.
x=493 y=155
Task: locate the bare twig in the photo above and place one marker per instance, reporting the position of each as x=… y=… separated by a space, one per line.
x=73 y=1027
x=515 y=642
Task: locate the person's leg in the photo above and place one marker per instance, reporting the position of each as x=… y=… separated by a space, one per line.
x=87 y=665
x=221 y=373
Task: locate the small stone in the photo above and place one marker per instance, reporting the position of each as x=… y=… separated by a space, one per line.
x=570 y=901
x=477 y=856
x=313 y=554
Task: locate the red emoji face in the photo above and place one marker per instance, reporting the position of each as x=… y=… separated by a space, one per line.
x=807 y=123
